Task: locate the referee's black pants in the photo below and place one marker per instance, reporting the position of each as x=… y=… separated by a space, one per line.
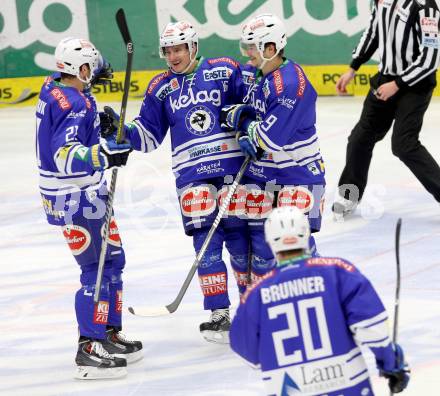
x=406 y=109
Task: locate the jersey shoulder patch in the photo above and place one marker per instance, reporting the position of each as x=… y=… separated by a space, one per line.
x=157 y=80
x=223 y=59
x=61 y=98
x=301 y=81
x=329 y=262
x=278 y=82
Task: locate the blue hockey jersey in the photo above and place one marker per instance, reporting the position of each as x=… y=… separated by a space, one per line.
x=67 y=123
x=303 y=323
x=285 y=103
x=189 y=106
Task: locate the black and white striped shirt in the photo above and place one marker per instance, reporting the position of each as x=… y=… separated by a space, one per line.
x=406 y=32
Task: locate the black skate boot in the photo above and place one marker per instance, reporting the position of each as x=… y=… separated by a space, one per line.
x=94 y=362
x=342 y=207
x=217 y=329
x=119 y=346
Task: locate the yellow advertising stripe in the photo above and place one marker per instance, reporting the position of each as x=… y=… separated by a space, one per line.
x=24 y=91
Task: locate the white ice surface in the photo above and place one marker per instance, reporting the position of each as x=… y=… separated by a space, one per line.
x=39 y=277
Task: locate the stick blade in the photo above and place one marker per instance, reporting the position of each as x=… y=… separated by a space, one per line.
x=149 y=312
x=122 y=25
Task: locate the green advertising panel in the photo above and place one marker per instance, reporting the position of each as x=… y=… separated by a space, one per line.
x=320 y=31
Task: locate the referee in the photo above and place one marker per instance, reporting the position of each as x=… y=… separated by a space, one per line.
x=406 y=35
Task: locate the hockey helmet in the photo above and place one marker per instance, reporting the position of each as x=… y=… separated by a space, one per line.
x=261 y=30
x=71 y=53
x=176 y=33
x=287 y=228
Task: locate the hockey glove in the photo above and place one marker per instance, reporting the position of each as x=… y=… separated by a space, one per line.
x=109 y=123
x=236 y=117
x=247 y=146
x=398 y=377
x=108 y=154
x=103 y=73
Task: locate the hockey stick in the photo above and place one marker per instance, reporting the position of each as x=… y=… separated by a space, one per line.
x=249 y=264
x=170 y=308
x=123 y=28
x=397 y=296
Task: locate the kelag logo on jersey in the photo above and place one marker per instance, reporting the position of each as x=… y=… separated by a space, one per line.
x=213 y=96
x=200 y=121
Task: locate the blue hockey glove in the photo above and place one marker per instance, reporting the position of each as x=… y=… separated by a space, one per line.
x=247 y=146
x=103 y=73
x=108 y=154
x=109 y=122
x=398 y=376
x=236 y=117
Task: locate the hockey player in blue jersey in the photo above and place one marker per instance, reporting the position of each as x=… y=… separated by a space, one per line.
x=277 y=123
x=187 y=100
x=71 y=160
x=304 y=323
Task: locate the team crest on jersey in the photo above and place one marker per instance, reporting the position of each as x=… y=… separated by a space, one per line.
x=113 y=237
x=200 y=120
x=77 y=237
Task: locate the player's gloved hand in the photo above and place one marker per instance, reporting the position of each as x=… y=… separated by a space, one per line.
x=398 y=376
x=247 y=146
x=108 y=154
x=109 y=122
x=236 y=117
x=103 y=74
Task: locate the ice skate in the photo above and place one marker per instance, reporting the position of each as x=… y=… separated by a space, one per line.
x=119 y=346
x=94 y=362
x=217 y=329
x=342 y=207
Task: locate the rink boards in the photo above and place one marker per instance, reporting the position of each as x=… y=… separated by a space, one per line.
x=23 y=91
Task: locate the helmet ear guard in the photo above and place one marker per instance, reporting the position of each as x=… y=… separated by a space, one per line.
x=287 y=228
x=71 y=53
